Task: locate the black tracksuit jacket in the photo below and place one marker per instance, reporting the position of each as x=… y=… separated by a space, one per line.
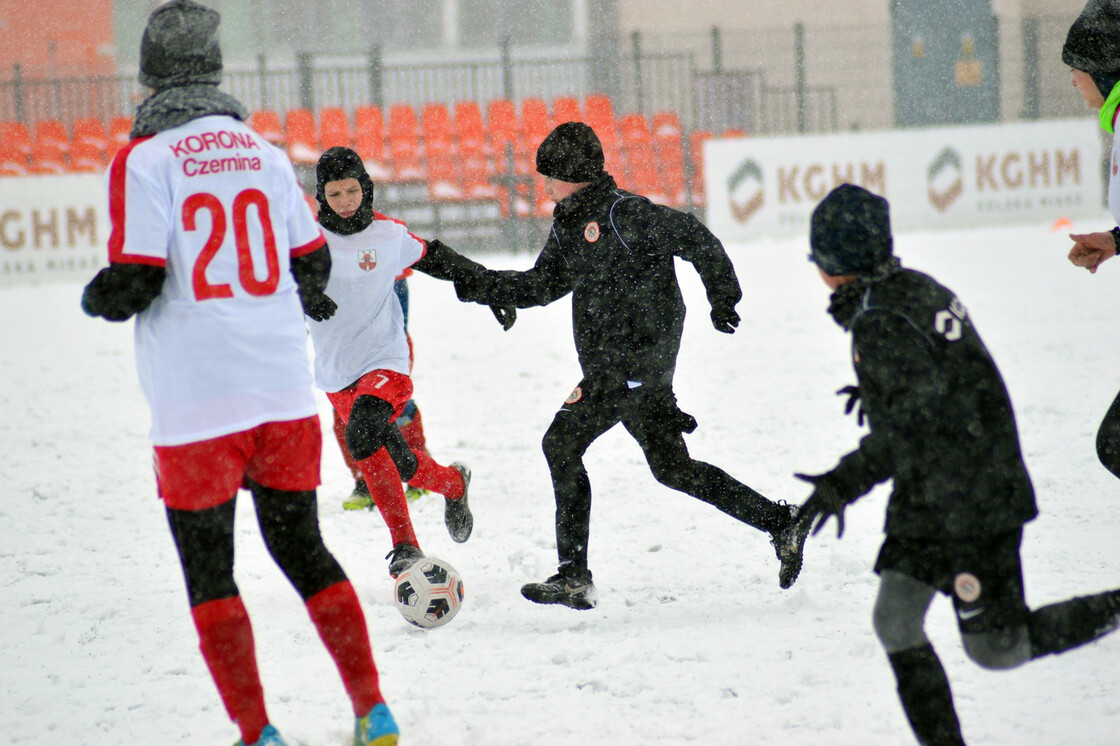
x=613 y=250
x=941 y=421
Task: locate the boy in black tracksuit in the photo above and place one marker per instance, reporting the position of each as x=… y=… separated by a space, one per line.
x=942 y=428
x=613 y=251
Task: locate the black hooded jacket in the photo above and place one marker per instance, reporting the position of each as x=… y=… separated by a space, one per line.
x=941 y=421
x=613 y=250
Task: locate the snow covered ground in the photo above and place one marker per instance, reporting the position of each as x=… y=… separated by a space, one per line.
x=693 y=641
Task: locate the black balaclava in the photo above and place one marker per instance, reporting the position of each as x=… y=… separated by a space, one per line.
x=571 y=152
x=850 y=232
x=336 y=164
x=1093 y=43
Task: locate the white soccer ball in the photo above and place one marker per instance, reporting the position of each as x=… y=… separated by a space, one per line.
x=429 y=593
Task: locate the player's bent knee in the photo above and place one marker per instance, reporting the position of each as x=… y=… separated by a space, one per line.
x=998 y=650
x=365 y=430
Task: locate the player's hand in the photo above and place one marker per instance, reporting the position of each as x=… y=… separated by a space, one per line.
x=506 y=316
x=724 y=319
x=319 y=307
x=1090 y=250
x=824 y=503
x=853 y=393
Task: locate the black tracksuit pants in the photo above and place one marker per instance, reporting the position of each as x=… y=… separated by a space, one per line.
x=650 y=414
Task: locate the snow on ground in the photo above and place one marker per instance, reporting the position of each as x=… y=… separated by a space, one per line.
x=693 y=641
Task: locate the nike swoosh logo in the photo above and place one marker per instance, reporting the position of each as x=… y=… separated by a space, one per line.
x=966 y=614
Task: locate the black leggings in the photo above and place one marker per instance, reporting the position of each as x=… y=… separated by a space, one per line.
x=289 y=522
x=1108 y=438
x=650 y=415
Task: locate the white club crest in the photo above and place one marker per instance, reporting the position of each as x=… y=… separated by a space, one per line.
x=367 y=259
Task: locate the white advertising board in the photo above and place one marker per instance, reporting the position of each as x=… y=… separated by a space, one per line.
x=948 y=177
x=52 y=225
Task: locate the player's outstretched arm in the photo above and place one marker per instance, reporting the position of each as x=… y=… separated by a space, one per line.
x=121 y=290
x=1090 y=250
x=444 y=263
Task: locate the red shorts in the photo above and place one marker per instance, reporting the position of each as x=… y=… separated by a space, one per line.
x=281 y=455
x=388 y=385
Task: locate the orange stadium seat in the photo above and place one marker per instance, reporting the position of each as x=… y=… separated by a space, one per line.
x=47 y=158
x=266 y=123
x=13 y=160
x=300 y=136
x=120 y=128
x=565 y=109
x=369 y=140
x=435 y=127
x=16 y=135
x=404 y=143
x=334 y=128
x=470 y=132
x=90 y=130
x=51 y=133
x=86 y=157
x=502 y=123
x=443 y=179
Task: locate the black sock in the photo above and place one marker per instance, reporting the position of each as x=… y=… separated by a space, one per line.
x=1063 y=626
x=926 y=697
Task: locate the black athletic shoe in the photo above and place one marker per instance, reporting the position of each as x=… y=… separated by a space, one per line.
x=576 y=591
x=402 y=557
x=789 y=545
x=457 y=513
x=359 y=499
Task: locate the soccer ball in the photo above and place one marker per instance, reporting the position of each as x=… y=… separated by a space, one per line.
x=429 y=593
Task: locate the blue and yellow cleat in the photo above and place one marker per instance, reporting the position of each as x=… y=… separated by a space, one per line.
x=378 y=728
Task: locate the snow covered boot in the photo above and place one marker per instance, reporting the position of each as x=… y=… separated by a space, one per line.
x=378 y=728
x=789 y=545
x=269 y=737
x=457 y=513
x=402 y=557
x=571 y=588
x=359 y=499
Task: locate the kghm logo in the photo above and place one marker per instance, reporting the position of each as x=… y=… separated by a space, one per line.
x=945 y=179
x=745 y=191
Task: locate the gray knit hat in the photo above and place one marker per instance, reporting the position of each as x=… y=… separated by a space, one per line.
x=180 y=46
x=1093 y=43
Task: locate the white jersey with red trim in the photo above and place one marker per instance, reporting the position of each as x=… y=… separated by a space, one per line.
x=367 y=331
x=223 y=348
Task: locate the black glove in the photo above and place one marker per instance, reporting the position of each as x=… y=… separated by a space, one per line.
x=318 y=306
x=121 y=290
x=853 y=393
x=506 y=316
x=825 y=502
x=724 y=319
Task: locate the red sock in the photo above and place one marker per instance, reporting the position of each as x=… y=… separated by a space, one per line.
x=385 y=488
x=430 y=475
x=226 y=641
x=338 y=616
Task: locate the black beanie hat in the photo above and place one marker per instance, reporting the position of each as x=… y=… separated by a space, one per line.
x=850 y=232
x=1093 y=43
x=180 y=46
x=571 y=152
x=336 y=164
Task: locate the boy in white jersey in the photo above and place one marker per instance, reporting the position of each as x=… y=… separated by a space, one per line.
x=362 y=356
x=214 y=249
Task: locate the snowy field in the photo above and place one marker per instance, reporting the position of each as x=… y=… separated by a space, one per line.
x=693 y=641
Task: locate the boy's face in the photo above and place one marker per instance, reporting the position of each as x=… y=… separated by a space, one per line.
x=558 y=190
x=1085 y=85
x=834 y=281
